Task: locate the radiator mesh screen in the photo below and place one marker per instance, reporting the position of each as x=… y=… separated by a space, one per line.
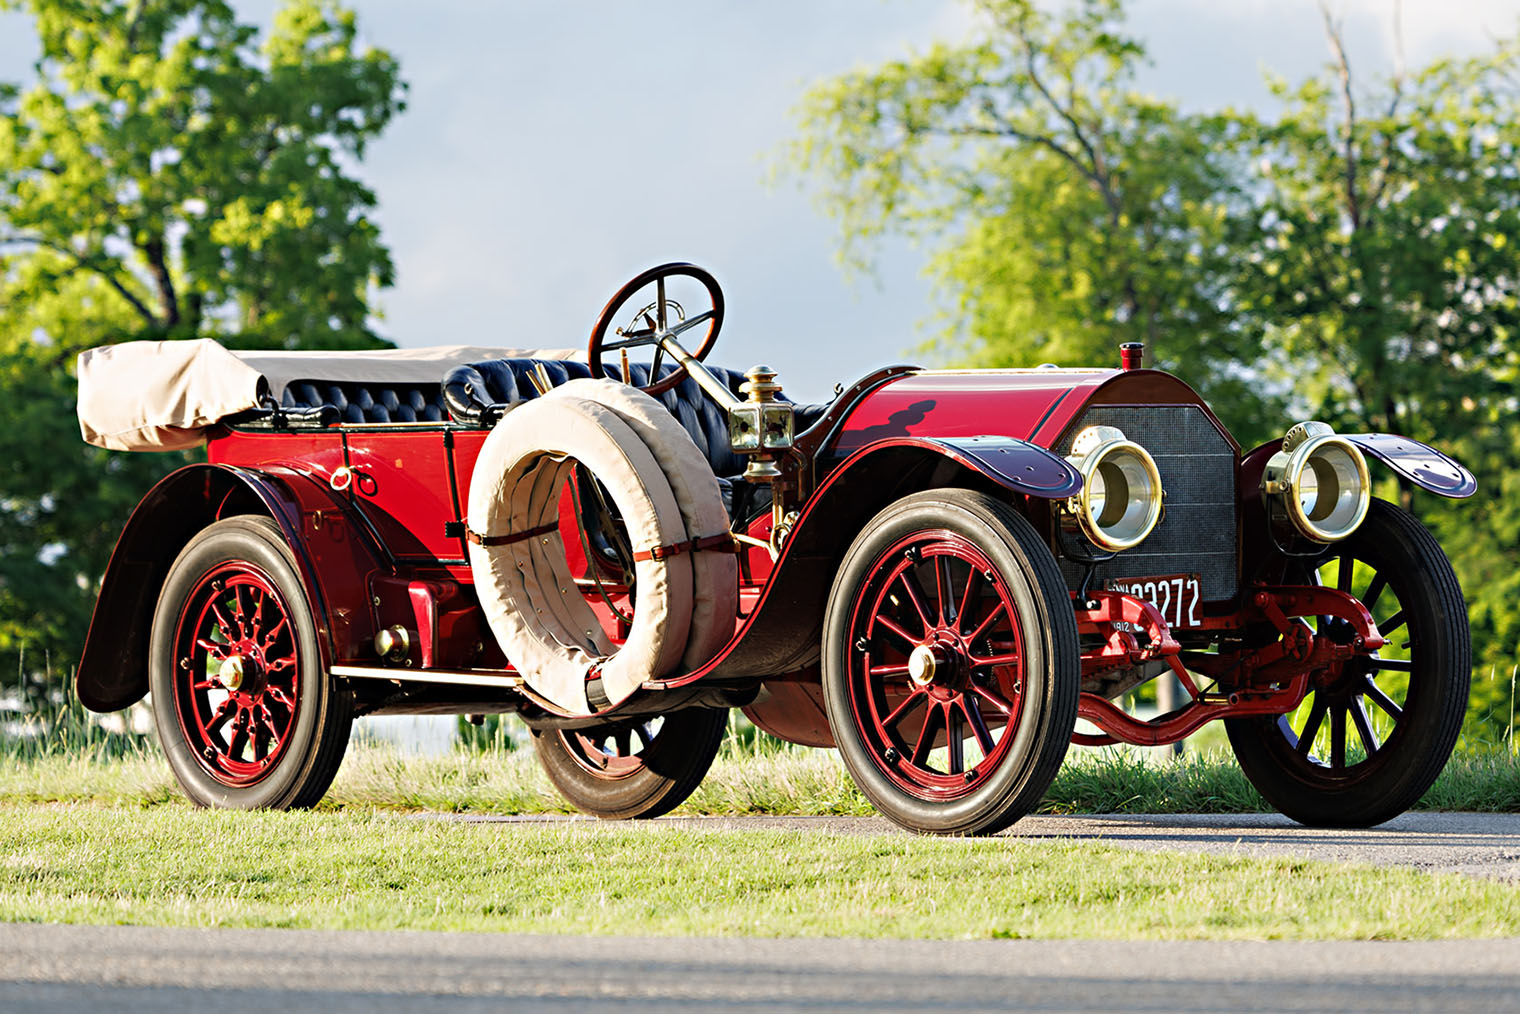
x=1198 y=533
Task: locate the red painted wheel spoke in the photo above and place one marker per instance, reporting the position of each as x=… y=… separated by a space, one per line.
x=978 y=725
x=993 y=660
x=926 y=737
x=1364 y=727
x=274 y=632
x=968 y=596
x=222 y=622
x=914 y=699
x=1382 y=700
x=279 y=695
x=916 y=596
x=1338 y=736
x=239 y=736
x=258 y=613
x=942 y=587
x=955 y=738
x=212 y=648
x=998 y=609
x=279 y=664
x=893 y=627
x=220 y=716
x=997 y=702
x=1311 y=725
x=888 y=670
x=204 y=685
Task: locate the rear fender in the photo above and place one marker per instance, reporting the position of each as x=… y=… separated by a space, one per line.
x=783 y=633
x=334 y=560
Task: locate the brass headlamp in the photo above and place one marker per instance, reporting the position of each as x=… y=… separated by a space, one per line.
x=1121 y=496
x=1317 y=485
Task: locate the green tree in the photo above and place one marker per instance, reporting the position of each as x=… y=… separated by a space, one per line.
x=1063 y=210
x=166 y=175
x=1380 y=269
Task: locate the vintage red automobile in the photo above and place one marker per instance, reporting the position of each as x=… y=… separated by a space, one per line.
x=939 y=572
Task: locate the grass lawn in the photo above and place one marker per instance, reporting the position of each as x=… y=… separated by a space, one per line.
x=764 y=779
x=365 y=869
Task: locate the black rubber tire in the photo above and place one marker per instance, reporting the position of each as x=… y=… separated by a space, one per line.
x=1393 y=778
x=324 y=712
x=673 y=765
x=1052 y=679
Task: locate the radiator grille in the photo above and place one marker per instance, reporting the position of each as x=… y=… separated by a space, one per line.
x=1197 y=466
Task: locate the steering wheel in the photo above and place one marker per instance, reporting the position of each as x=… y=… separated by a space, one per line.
x=655 y=321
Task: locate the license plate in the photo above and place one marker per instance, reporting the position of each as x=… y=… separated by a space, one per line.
x=1175 y=595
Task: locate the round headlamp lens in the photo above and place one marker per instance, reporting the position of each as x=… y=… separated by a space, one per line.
x=1322 y=483
x=1120 y=502
x=1332 y=492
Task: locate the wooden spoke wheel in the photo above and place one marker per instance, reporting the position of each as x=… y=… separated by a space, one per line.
x=951 y=665
x=636 y=768
x=1374 y=732
x=245 y=713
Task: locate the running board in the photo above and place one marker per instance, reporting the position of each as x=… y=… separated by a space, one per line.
x=478 y=678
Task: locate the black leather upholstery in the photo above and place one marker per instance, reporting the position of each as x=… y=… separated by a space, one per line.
x=479 y=394
x=358 y=402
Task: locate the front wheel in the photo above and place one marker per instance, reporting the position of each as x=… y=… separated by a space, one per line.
x=1375 y=731
x=632 y=769
x=951 y=667
x=247 y=717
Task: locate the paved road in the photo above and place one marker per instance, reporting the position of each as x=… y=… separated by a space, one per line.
x=1479 y=844
x=112 y=968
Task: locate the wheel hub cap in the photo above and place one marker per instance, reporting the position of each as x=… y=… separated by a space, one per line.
x=925 y=663
x=231 y=672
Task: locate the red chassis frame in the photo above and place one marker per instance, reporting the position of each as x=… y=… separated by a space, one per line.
x=371 y=513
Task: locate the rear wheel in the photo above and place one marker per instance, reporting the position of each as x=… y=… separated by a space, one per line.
x=633 y=769
x=951 y=666
x=247 y=717
x=1374 y=733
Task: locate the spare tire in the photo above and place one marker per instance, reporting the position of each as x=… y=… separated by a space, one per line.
x=543 y=623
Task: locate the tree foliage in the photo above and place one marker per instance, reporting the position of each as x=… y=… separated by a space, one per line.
x=1350 y=257
x=167 y=174
x=1065 y=211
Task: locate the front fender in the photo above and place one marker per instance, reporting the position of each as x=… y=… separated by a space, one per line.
x=782 y=634
x=1012 y=463
x=1421 y=464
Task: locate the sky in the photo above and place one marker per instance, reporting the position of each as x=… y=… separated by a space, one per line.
x=554 y=148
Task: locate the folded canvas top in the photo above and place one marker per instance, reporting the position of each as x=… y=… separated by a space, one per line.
x=163 y=395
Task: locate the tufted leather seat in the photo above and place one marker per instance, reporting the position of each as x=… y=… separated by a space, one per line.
x=478 y=394
x=358 y=402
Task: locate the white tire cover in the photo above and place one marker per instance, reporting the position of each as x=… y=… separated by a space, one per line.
x=547 y=629
x=715 y=574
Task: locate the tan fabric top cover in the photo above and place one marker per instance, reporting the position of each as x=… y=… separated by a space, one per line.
x=161 y=396
x=666 y=494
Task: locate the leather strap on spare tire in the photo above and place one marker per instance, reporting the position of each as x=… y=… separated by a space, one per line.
x=669 y=502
